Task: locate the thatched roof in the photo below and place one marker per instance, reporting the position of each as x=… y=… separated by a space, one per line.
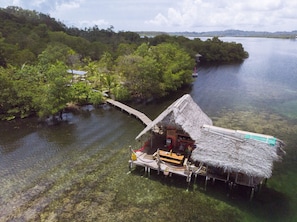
x=183 y=114
x=238 y=151
x=233 y=150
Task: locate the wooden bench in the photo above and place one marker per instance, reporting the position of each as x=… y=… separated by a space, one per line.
x=171 y=157
x=170 y=160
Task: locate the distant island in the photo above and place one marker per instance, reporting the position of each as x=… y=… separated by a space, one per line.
x=228 y=33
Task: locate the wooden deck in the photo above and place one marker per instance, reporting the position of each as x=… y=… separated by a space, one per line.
x=149 y=162
x=130 y=111
x=153 y=162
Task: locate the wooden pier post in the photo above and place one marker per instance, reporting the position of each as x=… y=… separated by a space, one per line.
x=130 y=161
x=158 y=161
x=149 y=172
x=252 y=193
x=195 y=181
x=205 y=184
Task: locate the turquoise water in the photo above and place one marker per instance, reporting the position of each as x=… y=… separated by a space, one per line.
x=78 y=170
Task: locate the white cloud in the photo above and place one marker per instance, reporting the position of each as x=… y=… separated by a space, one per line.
x=168 y=15
x=68 y=11
x=5 y=3
x=65 y=6
x=158 y=20
x=225 y=14
x=38 y=2
x=263 y=5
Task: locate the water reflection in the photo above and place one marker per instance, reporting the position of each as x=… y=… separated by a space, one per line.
x=11 y=131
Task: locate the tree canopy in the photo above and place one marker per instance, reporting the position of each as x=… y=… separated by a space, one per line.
x=37 y=52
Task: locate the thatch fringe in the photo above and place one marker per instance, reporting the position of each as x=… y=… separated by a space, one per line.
x=246 y=156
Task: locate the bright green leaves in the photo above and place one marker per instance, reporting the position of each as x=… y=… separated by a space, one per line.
x=155 y=71
x=34 y=89
x=17 y=90
x=176 y=65
x=7 y=95
x=81 y=92
x=55 y=92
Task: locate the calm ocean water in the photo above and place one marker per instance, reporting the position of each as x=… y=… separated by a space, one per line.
x=78 y=170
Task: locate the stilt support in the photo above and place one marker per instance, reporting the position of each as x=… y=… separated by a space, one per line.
x=252 y=193
x=148 y=171
x=205 y=184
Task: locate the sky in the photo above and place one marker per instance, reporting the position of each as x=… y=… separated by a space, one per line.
x=169 y=15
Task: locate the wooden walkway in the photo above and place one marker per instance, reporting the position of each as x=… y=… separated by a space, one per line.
x=131 y=111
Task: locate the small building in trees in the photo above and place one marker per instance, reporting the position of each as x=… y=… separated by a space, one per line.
x=77 y=75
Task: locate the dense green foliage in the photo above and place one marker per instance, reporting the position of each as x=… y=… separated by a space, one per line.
x=36 y=51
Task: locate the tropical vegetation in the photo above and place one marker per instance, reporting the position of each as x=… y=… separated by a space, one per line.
x=38 y=55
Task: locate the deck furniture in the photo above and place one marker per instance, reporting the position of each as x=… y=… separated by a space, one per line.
x=171 y=157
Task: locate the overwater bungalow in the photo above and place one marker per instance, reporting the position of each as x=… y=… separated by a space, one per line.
x=182 y=140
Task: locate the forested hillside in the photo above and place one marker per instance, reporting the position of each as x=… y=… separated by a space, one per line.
x=36 y=51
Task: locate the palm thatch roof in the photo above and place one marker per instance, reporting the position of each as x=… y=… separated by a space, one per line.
x=233 y=150
x=238 y=151
x=183 y=114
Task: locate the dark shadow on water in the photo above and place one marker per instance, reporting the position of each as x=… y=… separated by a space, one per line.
x=272 y=205
x=169 y=181
x=267 y=204
x=12 y=131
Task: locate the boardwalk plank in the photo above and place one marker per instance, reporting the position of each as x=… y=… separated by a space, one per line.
x=131 y=111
